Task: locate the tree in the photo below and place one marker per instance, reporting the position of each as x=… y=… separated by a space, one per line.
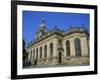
x=24 y=53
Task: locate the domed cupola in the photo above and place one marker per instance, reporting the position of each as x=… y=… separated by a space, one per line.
x=42 y=30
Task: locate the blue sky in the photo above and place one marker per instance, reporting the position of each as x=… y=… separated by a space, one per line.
x=32 y=20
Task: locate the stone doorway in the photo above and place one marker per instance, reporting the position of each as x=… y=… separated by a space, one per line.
x=60 y=57
x=35 y=63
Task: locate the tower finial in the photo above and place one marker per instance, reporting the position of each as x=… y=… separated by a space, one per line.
x=42 y=23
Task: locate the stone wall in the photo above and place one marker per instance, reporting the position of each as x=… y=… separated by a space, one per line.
x=72 y=59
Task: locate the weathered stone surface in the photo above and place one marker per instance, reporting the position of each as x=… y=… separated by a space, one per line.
x=60 y=55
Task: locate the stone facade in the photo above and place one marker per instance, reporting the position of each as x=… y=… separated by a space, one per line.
x=59 y=47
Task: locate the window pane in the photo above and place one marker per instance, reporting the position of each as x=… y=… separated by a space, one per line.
x=40 y=52
x=51 y=50
x=77 y=47
x=37 y=53
x=45 y=49
x=33 y=54
x=68 y=48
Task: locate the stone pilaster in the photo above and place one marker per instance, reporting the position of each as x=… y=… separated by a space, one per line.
x=42 y=54
x=64 y=46
x=32 y=55
x=72 y=48
x=38 y=53
x=64 y=53
x=84 y=46
x=48 y=52
x=42 y=51
x=55 y=47
x=55 y=53
x=28 y=55
x=35 y=54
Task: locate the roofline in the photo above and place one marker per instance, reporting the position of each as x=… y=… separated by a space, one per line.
x=61 y=33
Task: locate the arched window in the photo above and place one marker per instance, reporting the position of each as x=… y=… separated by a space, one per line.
x=34 y=54
x=28 y=55
x=31 y=55
x=37 y=53
x=78 y=47
x=40 y=52
x=67 y=48
x=45 y=51
x=51 y=50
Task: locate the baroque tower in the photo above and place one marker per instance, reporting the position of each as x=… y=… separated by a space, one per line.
x=42 y=30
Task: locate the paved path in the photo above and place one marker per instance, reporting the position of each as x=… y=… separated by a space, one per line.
x=58 y=65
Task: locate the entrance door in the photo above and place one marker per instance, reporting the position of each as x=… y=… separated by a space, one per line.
x=35 y=62
x=60 y=57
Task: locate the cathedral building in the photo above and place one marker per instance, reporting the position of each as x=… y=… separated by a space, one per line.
x=58 y=46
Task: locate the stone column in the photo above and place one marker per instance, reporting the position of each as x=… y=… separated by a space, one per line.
x=55 y=46
x=42 y=54
x=28 y=55
x=72 y=48
x=55 y=52
x=42 y=51
x=32 y=55
x=84 y=46
x=88 y=41
x=48 y=51
x=64 y=54
x=64 y=46
x=35 y=54
x=38 y=52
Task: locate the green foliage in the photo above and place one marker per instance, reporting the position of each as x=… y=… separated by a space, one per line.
x=24 y=53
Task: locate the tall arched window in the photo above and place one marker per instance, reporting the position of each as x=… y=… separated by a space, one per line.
x=51 y=50
x=45 y=51
x=31 y=55
x=78 y=47
x=67 y=48
x=40 y=52
x=34 y=54
x=37 y=53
